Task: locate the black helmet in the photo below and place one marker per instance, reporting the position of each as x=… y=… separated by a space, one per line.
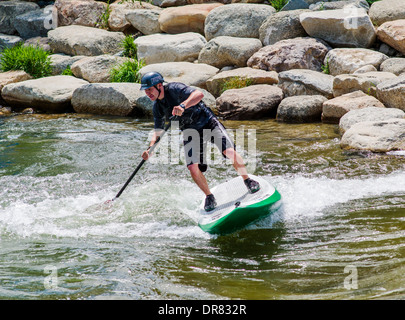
x=151 y=79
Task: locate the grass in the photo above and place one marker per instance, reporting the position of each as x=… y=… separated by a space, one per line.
x=236 y=83
x=278 y=4
x=33 y=60
x=128 y=71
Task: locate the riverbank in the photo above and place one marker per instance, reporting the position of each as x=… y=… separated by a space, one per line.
x=314 y=64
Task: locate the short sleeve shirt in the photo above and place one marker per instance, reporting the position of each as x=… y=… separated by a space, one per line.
x=194 y=117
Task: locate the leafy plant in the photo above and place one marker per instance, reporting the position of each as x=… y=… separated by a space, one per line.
x=236 y=83
x=128 y=71
x=33 y=60
x=278 y=4
x=370 y=2
x=67 y=72
x=130 y=48
x=103 y=19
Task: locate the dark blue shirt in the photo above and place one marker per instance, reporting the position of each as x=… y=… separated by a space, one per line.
x=195 y=117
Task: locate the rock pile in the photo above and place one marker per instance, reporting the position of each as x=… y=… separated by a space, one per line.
x=336 y=61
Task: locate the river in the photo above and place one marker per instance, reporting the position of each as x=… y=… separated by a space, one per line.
x=340 y=233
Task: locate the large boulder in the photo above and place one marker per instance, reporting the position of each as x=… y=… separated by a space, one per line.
x=297 y=53
x=13 y=76
x=145 y=20
x=393 y=34
x=60 y=62
x=300 y=109
x=190 y=18
x=280 y=26
x=392 y=93
x=349 y=27
x=79 y=12
x=393 y=65
x=335 y=108
x=253 y=102
x=256 y=76
x=162 y=47
x=192 y=74
x=387 y=10
x=366 y=82
x=228 y=51
x=49 y=94
x=96 y=69
x=116 y=99
x=9 y=10
x=375 y=136
x=348 y=60
x=78 y=40
x=236 y=20
x=368 y=114
x=118 y=10
x=305 y=82
x=32 y=24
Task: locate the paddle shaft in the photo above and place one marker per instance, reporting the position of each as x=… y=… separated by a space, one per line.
x=151 y=148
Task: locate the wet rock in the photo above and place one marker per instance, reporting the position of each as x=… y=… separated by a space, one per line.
x=158 y=48
x=50 y=94
x=297 y=53
x=300 y=109
x=348 y=60
x=236 y=20
x=117 y=99
x=228 y=51
x=375 y=136
x=215 y=83
x=253 y=102
x=368 y=114
x=86 y=41
x=335 y=108
x=305 y=82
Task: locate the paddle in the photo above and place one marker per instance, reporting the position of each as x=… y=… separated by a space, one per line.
x=151 y=148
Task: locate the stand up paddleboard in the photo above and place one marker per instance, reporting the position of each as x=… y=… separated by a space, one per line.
x=237 y=208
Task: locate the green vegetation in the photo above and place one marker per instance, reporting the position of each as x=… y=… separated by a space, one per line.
x=33 y=60
x=67 y=72
x=325 y=67
x=236 y=83
x=370 y=2
x=278 y=4
x=103 y=19
x=130 y=49
x=127 y=71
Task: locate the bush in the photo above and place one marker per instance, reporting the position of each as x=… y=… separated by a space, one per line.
x=130 y=48
x=128 y=71
x=236 y=83
x=33 y=60
x=278 y=4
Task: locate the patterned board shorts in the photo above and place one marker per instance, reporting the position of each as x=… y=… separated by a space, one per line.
x=195 y=142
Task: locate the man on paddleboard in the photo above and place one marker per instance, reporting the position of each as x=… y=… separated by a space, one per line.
x=195 y=120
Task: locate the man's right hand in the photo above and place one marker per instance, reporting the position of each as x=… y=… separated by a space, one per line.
x=145 y=155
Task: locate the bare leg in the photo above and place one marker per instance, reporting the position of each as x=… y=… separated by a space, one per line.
x=237 y=162
x=199 y=178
